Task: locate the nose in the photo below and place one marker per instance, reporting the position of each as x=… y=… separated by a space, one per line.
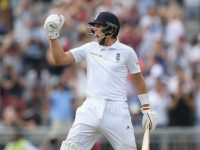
x=94 y=30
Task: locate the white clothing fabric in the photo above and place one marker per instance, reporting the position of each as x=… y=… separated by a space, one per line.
x=97 y=116
x=191 y=3
x=174 y=30
x=194 y=54
x=107 y=69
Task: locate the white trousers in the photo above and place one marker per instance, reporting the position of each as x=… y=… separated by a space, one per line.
x=110 y=118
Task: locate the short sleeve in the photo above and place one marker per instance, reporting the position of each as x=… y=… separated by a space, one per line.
x=133 y=63
x=79 y=53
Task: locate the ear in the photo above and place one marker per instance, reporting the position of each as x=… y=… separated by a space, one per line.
x=109 y=30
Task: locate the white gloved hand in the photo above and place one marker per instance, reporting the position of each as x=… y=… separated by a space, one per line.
x=63 y=145
x=149 y=118
x=68 y=146
x=53 y=24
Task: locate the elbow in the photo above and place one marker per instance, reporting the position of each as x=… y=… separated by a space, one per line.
x=52 y=60
x=58 y=62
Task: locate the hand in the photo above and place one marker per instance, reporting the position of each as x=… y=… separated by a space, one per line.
x=149 y=118
x=53 y=24
x=67 y=146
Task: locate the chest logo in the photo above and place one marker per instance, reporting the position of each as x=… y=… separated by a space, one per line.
x=118 y=57
x=96 y=54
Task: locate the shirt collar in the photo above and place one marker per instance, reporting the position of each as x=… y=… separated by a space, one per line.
x=112 y=47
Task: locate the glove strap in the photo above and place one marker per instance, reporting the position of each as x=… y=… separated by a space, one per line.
x=145 y=109
x=53 y=36
x=143 y=98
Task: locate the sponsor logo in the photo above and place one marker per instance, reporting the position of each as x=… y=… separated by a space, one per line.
x=95 y=54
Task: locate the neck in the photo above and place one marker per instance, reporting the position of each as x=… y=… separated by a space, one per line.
x=109 y=41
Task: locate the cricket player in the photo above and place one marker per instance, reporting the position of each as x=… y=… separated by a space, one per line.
x=105 y=110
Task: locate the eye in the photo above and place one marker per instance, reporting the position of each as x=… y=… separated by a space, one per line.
x=98 y=26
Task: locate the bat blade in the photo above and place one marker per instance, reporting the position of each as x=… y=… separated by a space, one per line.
x=146 y=140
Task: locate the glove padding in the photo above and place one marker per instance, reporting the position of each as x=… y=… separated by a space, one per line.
x=149 y=118
x=68 y=146
x=53 y=24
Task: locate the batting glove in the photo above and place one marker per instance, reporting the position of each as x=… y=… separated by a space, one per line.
x=53 y=24
x=68 y=146
x=149 y=118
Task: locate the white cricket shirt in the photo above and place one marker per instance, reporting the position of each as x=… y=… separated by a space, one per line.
x=107 y=69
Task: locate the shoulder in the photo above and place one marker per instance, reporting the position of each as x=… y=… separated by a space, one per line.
x=89 y=45
x=127 y=49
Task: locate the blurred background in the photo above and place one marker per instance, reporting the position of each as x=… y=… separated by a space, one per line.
x=38 y=99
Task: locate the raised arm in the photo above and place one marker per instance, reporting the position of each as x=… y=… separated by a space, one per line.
x=59 y=55
x=52 y=25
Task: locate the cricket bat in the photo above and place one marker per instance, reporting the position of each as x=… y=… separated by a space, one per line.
x=146 y=140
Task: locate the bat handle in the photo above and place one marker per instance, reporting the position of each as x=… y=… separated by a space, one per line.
x=146 y=138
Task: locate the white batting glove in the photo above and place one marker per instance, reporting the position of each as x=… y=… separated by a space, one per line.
x=149 y=118
x=63 y=145
x=67 y=146
x=53 y=24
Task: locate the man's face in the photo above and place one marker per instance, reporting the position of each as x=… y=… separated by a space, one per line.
x=97 y=29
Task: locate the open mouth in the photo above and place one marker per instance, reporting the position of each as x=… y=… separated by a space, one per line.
x=98 y=38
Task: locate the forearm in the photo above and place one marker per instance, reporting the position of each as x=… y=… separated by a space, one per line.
x=57 y=52
x=141 y=89
x=140 y=86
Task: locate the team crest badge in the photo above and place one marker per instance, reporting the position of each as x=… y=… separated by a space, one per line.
x=118 y=57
